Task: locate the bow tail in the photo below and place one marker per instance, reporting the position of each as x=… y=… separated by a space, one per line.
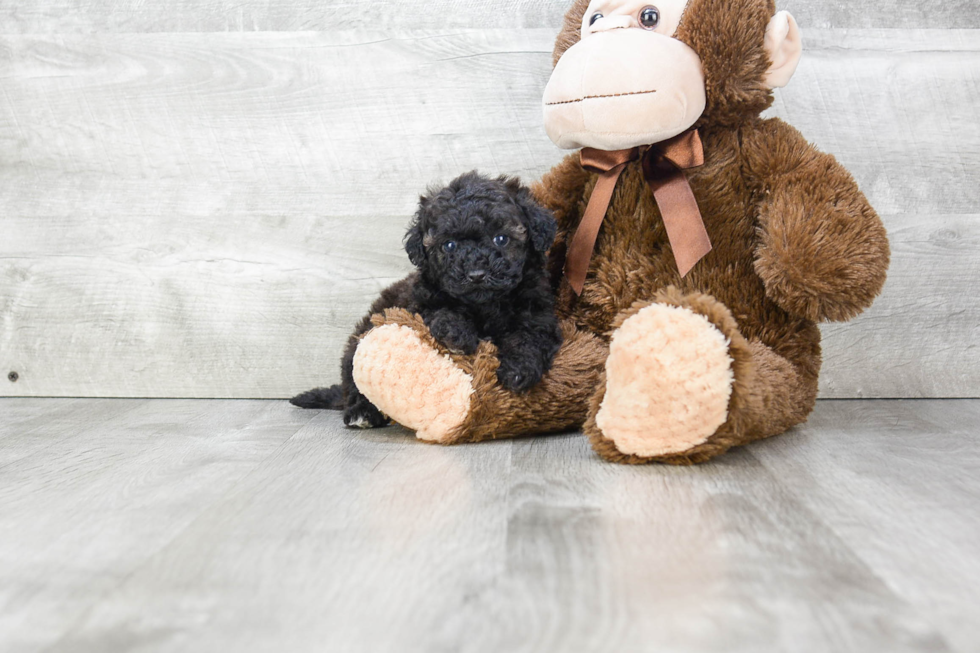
x=580 y=251
x=682 y=220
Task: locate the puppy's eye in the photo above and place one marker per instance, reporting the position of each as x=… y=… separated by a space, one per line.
x=500 y=240
x=596 y=16
x=649 y=17
x=449 y=246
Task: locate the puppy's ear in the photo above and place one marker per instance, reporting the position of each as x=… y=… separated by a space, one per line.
x=540 y=221
x=415 y=236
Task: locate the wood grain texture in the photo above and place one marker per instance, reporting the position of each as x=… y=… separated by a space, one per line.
x=721 y=558
x=254 y=526
x=100 y=16
x=909 y=469
x=353 y=542
x=219 y=220
x=82 y=514
x=51 y=423
x=921 y=338
x=890 y=14
x=209 y=214
x=21 y=413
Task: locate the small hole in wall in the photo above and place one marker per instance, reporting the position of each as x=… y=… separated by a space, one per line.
x=13 y=376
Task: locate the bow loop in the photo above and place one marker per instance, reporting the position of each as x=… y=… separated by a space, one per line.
x=601 y=161
x=684 y=151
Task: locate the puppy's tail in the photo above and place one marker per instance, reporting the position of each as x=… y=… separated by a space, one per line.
x=332 y=398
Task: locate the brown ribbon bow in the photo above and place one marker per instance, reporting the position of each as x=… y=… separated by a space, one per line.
x=663 y=168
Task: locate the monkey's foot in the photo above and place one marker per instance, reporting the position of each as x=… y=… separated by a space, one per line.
x=400 y=368
x=450 y=398
x=670 y=377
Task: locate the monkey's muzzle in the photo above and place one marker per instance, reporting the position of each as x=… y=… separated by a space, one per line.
x=623 y=88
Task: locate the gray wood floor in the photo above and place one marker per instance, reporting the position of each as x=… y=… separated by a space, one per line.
x=183 y=525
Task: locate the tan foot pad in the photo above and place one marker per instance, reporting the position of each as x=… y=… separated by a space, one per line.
x=668 y=381
x=411 y=382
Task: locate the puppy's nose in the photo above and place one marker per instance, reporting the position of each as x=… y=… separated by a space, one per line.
x=477 y=275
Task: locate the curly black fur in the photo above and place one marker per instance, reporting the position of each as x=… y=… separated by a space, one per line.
x=479 y=245
x=332 y=397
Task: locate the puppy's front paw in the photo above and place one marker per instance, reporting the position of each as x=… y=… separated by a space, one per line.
x=364 y=415
x=454 y=334
x=518 y=373
x=466 y=345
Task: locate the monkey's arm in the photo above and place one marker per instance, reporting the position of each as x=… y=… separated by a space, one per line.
x=823 y=251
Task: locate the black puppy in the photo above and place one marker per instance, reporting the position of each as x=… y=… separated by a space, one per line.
x=479 y=245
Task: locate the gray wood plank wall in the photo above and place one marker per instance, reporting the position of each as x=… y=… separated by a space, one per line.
x=199 y=199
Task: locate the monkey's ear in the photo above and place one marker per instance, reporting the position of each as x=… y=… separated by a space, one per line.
x=415 y=236
x=784 y=47
x=540 y=221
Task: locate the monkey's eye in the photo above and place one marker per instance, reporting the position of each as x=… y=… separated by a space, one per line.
x=500 y=240
x=596 y=16
x=649 y=17
x=449 y=246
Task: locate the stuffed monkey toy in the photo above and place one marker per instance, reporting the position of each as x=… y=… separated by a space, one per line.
x=699 y=245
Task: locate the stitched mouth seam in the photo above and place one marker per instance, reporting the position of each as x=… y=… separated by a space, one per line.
x=596 y=97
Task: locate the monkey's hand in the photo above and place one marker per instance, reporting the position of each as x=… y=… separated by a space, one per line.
x=823 y=251
x=455 y=332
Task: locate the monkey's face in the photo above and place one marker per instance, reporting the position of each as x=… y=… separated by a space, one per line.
x=628 y=81
x=638 y=74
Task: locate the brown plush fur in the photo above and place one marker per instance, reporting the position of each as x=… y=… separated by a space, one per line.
x=743 y=365
x=794 y=242
x=559 y=402
x=794 y=239
x=570 y=30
